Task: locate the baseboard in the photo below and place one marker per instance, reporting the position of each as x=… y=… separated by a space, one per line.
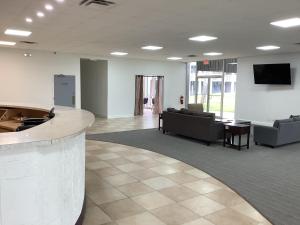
x=120 y=116
x=82 y=214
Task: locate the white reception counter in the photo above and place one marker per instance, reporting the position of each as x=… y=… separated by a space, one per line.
x=42 y=170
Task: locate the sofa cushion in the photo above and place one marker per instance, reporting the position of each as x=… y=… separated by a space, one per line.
x=278 y=122
x=172 y=110
x=295 y=117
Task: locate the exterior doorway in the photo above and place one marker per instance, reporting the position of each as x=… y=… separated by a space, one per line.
x=64 y=90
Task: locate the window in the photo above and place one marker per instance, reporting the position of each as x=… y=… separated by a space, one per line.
x=227 y=87
x=216 y=87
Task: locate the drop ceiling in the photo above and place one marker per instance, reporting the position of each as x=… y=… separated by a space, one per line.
x=240 y=25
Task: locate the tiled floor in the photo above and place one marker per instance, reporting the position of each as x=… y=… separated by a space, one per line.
x=131 y=186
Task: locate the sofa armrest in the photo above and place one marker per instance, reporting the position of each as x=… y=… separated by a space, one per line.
x=265 y=135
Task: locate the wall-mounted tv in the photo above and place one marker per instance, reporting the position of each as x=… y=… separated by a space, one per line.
x=272 y=74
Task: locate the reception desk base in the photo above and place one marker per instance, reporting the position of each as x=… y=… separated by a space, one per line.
x=42 y=172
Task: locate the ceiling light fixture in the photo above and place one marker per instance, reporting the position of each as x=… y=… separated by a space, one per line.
x=27 y=54
x=212 y=53
x=268 y=48
x=49 y=7
x=28 y=20
x=234 y=63
x=292 y=22
x=119 y=53
x=174 y=58
x=60 y=1
x=13 y=32
x=40 y=14
x=203 y=38
x=7 y=43
x=152 y=48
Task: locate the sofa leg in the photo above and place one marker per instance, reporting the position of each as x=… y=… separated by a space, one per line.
x=208 y=143
x=164 y=131
x=256 y=143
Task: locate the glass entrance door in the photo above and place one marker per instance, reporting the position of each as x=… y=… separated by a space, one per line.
x=210 y=94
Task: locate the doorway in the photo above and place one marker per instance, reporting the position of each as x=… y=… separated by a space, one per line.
x=210 y=93
x=64 y=90
x=149 y=95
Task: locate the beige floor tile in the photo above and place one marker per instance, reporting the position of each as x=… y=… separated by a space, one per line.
x=198 y=173
x=225 y=197
x=141 y=219
x=167 y=160
x=117 y=148
x=120 y=179
x=174 y=214
x=182 y=178
x=202 y=205
x=97 y=165
x=143 y=174
x=152 y=200
x=108 y=156
x=150 y=163
x=106 y=195
x=109 y=171
x=179 y=193
x=118 y=161
x=229 y=217
x=95 y=216
x=159 y=183
x=202 y=187
x=164 y=170
x=182 y=166
x=199 y=222
x=216 y=182
x=95 y=183
x=247 y=210
x=129 y=167
x=121 y=209
x=137 y=158
x=135 y=189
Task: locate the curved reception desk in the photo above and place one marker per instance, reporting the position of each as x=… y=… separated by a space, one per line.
x=42 y=169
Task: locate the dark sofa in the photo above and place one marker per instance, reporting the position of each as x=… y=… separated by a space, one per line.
x=201 y=126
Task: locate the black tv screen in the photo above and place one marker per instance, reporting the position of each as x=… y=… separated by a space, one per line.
x=272 y=74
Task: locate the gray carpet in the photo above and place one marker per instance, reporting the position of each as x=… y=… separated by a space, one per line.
x=267 y=178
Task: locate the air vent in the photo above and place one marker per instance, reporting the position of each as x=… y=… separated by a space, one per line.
x=96 y=2
x=28 y=42
x=192 y=56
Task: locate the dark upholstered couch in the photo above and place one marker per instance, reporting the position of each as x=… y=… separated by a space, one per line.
x=200 y=126
x=283 y=132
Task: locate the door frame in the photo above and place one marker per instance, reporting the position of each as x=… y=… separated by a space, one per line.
x=209 y=77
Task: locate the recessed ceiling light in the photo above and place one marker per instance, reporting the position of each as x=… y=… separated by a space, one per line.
x=49 y=7
x=7 y=43
x=268 y=47
x=119 y=53
x=40 y=14
x=174 y=58
x=27 y=54
x=203 y=38
x=60 y=1
x=152 y=48
x=28 y=20
x=212 y=53
x=23 y=33
x=292 y=22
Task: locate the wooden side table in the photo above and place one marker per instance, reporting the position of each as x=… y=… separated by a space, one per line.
x=236 y=130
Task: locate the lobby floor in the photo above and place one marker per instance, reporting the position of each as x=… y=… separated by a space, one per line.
x=131 y=186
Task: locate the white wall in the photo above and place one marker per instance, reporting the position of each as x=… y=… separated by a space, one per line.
x=121 y=83
x=266 y=103
x=30 y=79
x=94 y=86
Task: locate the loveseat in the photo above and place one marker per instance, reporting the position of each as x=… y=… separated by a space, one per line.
x=283 y=132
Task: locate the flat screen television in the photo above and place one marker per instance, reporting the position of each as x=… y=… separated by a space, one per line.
x=272 y=74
